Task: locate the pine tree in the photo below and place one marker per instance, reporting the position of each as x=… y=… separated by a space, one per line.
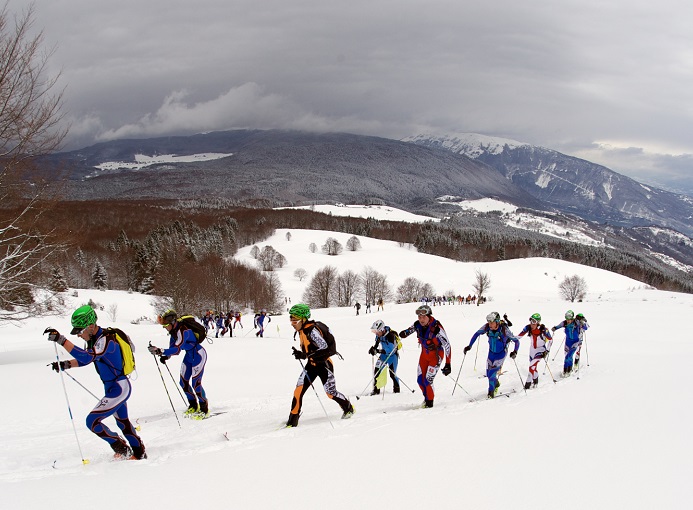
x=99 y=276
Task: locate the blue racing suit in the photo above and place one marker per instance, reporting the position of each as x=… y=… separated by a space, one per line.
x=389 y=356
x=193 y=366
x=105 y=353
x=573 y=339
x=498 y=341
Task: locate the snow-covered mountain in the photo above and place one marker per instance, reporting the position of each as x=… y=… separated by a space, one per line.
x=571 y=185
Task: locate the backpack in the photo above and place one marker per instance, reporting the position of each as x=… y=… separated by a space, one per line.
x=126 y=348
x=331 y=343
x=398 y=340
x=198 y=329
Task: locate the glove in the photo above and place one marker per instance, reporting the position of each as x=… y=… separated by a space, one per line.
x=164 y=359
x=505 y=317
x=545 y=354
x=63 y=365
x=404 y=333
x=380 y=351
x=154 y=350
x=371 y=351
x=447 y=369
x=513 y=354
x=54 y=336
x=553 y=329
x=299 y=354
x=467 y=349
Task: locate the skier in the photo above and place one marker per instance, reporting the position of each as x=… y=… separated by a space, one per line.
x=381 y=305
x=434 y=347
x=221 y=329
x=538 y=349
x=573 y=338
x=358 y=307
x=105 y=352
x=317 y=345
x=499 y=336
x=582 y=321
x=237 y=320
x=389 y=354
x=260 y=322
x=192 y=367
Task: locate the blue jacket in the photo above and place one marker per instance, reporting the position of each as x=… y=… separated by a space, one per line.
x=106 y=355
x=498 y=340
x=573 y=331
x=183 y=340
x=388 y=343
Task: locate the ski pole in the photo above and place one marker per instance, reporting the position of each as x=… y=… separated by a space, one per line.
x=476 y=355
x=587 y=354
x=458 y=384
x=185 y=402
x=458 y=373
x=165 y=388
x=405 y=384
x=83 y=387
x=547 y=366
x=362 y=393
x=519 y=375
x=558 y=350
x=69 y=409
x=316 y=392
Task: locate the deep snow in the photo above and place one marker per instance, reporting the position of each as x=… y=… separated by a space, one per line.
x=617 y=437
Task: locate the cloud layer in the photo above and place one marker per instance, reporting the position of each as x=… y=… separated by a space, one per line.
x=603 y=79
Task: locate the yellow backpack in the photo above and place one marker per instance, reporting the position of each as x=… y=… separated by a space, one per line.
x=126 y=348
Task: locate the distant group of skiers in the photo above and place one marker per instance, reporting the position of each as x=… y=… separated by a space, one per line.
x=106 y=349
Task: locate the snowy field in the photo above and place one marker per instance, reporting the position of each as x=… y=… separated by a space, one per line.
x=617 y=437
x=377 y=212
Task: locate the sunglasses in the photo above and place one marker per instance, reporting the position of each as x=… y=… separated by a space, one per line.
x=533 y=321
x=294 y=319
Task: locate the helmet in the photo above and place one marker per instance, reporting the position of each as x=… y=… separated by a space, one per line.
x=569 y=315
x=168 y=317
x=263 y=310
x=536 y=317
x=493 y=317
x=580 y=317
x=423 y=310
x=300 y=310
x=81 y=318
x=378 y=326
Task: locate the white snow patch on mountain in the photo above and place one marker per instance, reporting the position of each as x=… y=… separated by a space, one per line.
x=481 y=205
x=142 y=160
x=377 y=212
x=471 y=145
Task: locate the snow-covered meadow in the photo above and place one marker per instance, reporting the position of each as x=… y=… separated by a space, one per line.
x=617 y=437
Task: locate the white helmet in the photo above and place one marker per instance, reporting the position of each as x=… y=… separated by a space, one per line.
x=378 y=326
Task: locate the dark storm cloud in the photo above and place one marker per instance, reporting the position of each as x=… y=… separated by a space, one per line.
x=566 y=75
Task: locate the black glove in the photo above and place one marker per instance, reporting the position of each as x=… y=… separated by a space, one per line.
x=545 y=354
x=153 y=349
x=553 y=328
x=299 y=354
x=447 y=369
x=404 y=333
x=507 y=321
x=63 y=365
x=371 y=351
x=467 y=349
x=164 y=359
x=380 y=351
x=54 y=336
x=513 y=354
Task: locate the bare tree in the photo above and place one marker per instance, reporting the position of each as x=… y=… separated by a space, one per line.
x=332 y=247
x=30 y=112
x=573 y=288
x=482 y=282
x=313 y=247
x=254 y=252
x=300 y=273
x=348 y=285
x=374 y=285
x=412 y=290
x=353 y=244
x=269 y=259
x=321 y=289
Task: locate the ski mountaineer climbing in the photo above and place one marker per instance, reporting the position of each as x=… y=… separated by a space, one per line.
x=192 y=367
x=499 y=336
x=317 y=345
x=573 y=339
x=434 y=347
x=388 y=342
x=582 y=321
x=260 y=322
x=104 y=351
x=538 y=349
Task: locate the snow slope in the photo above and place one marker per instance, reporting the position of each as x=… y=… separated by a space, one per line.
x=615 y=437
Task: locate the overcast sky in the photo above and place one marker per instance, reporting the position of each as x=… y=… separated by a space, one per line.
x=610 y=81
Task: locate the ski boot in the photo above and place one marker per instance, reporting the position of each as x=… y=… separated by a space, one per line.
x=191 y=410
x=292 y=421
x=348 y=413
x=535 y=383
x=121 y=450
x=202 y=413
x=395 y=389
x=427 y=404
x=528 y=385
x=376 y=391
x=138 y=452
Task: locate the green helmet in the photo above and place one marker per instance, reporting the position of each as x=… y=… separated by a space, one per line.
x=168 y=317
x=536 y=317
x=580 y=317
x=300 y=310
x=81 y=318
x=569 y=315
